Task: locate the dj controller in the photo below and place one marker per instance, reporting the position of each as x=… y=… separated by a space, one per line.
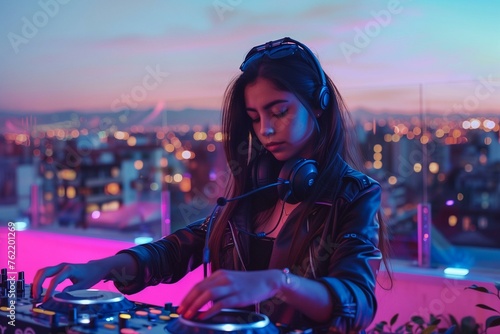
x=98 y=311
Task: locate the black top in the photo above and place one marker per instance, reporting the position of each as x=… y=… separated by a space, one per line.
x=260 y=253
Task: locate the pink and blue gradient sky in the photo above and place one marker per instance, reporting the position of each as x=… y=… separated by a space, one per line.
x=87 y=55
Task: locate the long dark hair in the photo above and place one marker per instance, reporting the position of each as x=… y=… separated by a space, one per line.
x=295 y=74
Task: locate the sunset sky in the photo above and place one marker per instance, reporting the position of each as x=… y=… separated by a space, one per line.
x=98 y=55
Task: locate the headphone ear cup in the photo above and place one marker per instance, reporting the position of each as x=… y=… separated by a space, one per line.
x=323 y=97
x=301 y=175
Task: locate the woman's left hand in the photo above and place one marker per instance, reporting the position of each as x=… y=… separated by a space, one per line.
x=226 y=289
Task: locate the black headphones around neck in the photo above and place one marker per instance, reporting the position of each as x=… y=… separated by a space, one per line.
x=300 y=173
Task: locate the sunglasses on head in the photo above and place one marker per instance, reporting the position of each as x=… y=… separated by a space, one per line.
x=285 y=47
x=280 y=48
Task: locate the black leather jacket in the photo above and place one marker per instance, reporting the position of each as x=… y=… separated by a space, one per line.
x=343 y=255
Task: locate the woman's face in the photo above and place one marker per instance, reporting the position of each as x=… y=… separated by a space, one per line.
x=281 y=122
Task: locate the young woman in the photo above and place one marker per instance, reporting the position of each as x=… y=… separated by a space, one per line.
x=304 y=249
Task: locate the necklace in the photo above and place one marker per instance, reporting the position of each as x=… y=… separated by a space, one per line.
x=283 y=215
x=288 y=208
x=285 y=212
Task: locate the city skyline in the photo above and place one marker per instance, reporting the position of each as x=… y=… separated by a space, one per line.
x=386 y=55
x=12 y=124
x=461 y=161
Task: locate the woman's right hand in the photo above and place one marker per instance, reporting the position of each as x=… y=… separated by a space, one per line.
x=83 y=276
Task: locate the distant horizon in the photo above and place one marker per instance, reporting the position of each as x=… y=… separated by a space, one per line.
x=189 y=111
x=477 y=98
